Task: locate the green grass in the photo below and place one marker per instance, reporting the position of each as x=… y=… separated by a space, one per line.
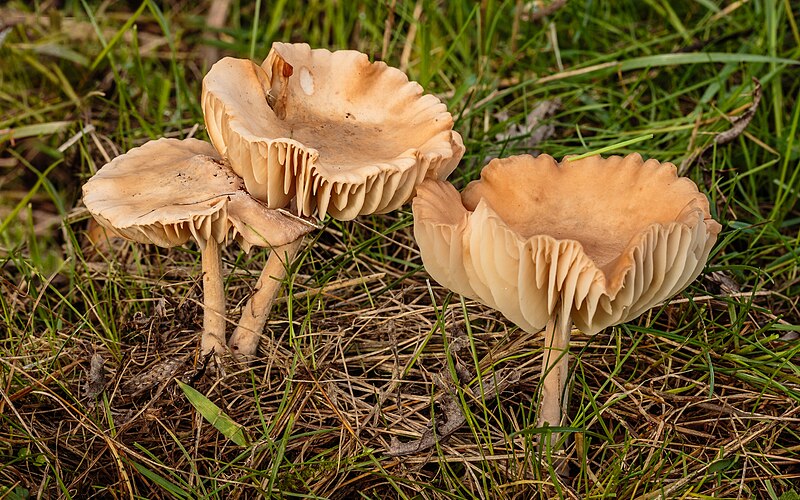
x=698 y=398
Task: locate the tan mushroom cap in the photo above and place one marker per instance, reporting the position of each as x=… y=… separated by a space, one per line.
x=170 y=190
x=347 y=136
x=255 y=225
x=609 y=237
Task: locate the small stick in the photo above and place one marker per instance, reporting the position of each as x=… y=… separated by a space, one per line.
x=493 y=384
x=555 y=370
x=215 y=19
x=213 y=339
x=245 y=338
x=739 y=124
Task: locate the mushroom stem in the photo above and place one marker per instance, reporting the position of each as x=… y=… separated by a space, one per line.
x=245 y=338
x=213 y=338
x=555 y=370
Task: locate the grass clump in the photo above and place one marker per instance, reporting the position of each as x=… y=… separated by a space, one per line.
x=698 y=398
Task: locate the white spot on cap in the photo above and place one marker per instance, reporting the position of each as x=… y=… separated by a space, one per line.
x=306 y=81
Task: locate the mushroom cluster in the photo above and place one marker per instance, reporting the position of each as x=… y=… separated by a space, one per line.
x=592 y=242
x=309 y=132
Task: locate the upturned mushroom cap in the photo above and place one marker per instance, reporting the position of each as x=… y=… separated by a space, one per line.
x=255 y=225
x=170 y=190
x=347 y=136
x=609 y=237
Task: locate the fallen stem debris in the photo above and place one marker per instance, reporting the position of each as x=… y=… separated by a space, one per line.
x=452 y=415
x=740 y=123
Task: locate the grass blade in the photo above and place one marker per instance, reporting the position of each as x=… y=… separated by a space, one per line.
x=215 y=416
x=612 y=147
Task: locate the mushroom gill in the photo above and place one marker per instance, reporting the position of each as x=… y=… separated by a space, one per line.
x=346 y=136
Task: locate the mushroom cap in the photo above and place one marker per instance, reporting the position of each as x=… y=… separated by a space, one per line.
x=255 y=225
x=170 y=190
x=346 y=136
x=607 y=238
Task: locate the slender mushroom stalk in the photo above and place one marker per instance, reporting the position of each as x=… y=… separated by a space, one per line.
x=555 y=371
x=213 y=337
x=280 y=231
x=594 y=242
x=245 y=338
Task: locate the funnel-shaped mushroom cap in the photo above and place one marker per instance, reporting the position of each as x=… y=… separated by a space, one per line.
x=609 y=238
x=347 y=136
x=169 y=190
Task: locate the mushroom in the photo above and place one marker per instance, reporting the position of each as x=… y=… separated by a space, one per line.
x=594 y=242
x=168 y=191
x=332 y=132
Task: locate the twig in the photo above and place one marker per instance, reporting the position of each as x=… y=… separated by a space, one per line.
x=387 y=30
x=412 y=33
x=75 y=138
x=739 y=124
x=453 y=418
x=723 y=407
x=705 y=298
x=215 y=21
x=333 y=286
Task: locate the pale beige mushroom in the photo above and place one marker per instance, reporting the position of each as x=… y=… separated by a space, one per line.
x=168 y=191
x=343 y=135
x=594 y=242
x=331 y=132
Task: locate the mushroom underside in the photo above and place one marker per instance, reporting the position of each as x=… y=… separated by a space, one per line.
x=329 y=145
x=529 y=240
